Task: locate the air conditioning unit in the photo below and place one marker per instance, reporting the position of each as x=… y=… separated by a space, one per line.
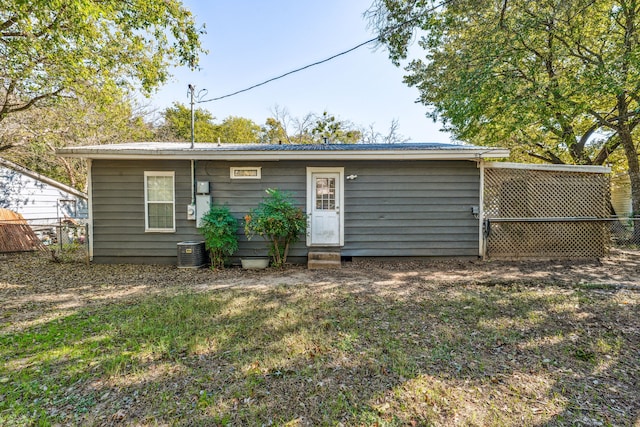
x=191 y=254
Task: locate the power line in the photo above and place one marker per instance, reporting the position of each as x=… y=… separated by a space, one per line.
x=292 y=71
x=297 y=70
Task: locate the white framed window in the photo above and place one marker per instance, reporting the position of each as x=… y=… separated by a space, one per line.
x=246 y=172
x=159 y=201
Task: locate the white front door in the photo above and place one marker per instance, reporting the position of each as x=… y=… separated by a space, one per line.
x=324 y=207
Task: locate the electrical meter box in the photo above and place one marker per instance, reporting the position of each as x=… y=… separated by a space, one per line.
x=203 y=204
x=202 y=187
x=191 y=212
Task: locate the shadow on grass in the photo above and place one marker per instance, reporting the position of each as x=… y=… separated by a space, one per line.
x=410 y=352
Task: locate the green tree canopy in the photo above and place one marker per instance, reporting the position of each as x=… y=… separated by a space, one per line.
x=36 y=133
x=273 y=132
x=310 y=129
x=238 y=130
x=176 y=124
x=555 y=79
x=176 y=127
x=327 y=127
x=92 y=48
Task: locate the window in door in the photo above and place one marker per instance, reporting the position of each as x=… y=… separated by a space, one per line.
x=325 y=193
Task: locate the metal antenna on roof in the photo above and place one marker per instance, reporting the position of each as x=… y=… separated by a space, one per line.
x=200 y=95
x=192 y=89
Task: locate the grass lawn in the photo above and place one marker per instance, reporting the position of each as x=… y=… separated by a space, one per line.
x=328 y=352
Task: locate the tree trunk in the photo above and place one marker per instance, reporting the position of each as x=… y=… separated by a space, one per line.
x=625 y=128
x=634 y=176
x=285 y=254
x=276 y=250
x=70 y=172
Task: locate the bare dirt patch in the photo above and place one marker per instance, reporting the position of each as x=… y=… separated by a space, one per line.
x=33 y=289
x=31 y=284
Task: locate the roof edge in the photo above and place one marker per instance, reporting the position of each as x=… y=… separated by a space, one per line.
x=549 y=167
x=133 y=151
x=38 y=176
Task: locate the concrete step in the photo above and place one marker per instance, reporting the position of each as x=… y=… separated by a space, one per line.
x=322 y=260
x=324 y=255
x=322 y=264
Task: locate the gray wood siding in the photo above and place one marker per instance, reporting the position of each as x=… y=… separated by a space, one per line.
x=118 y=212
x=241 y=195
x=118 y=206
x=400 y=208
x=412 y=208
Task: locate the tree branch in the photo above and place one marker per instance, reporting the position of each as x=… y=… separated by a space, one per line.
x=608 y=148
x=577 y=49
x=552 y=159
x=5 y=105
x=14 y=18
x=8 y=23
x=6 y=108
x=610 y=123
x=502 y=13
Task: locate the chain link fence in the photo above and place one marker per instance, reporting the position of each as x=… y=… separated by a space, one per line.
x=63 y=240
x=548 y=213
x=625 y=232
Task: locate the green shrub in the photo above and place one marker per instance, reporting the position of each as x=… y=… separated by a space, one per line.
x=278 y=221
x=219 y=229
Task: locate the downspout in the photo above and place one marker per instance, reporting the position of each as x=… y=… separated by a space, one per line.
x=482 y=250
x=192 y=89
x=193 y=182
x=89 y=231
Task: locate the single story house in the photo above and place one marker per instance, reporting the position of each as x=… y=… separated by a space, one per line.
x=363 y=200
x=37 y=198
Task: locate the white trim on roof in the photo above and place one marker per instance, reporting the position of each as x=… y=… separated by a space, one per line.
x=213 y=152
x=549 y=167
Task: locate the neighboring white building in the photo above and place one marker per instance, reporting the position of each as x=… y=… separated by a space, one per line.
x=38 y=198
x=621 y=195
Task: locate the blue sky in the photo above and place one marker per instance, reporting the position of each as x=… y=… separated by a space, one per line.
x=250 y=41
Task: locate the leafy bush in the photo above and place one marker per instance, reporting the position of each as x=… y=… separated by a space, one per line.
x=219 y=229
x=278 y=221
